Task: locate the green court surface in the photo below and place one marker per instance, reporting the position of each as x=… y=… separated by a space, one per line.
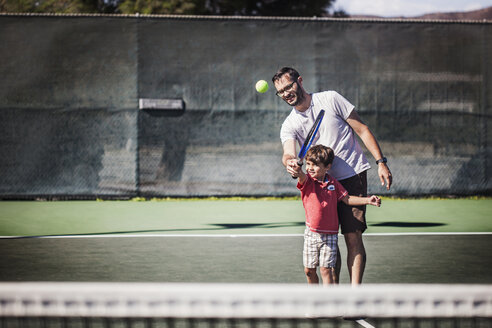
x=18 y=218
x=408 y=241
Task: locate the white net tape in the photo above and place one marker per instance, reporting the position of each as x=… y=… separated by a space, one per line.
x=242 y=300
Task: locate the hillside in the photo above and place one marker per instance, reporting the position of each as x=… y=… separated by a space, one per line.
x=476 y=15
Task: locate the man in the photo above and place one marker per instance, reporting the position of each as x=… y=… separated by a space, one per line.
x=350 y=165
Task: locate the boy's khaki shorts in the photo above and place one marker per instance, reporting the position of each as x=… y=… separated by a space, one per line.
x=320 y=249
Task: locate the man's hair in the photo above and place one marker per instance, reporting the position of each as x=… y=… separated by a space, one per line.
x=320 y=154
x=293 y=74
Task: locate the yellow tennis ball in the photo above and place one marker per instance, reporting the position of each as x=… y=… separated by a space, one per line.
x=262 y=86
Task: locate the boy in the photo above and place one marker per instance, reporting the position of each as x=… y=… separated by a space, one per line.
x=320 y=194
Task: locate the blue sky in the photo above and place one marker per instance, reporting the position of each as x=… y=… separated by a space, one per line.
x=408 y=8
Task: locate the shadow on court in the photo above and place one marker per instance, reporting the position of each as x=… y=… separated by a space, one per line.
x=215 y=227
x=400 y=224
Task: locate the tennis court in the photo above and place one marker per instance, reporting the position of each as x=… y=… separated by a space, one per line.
x=242 y=241
x=88 y=110
x=237 y=263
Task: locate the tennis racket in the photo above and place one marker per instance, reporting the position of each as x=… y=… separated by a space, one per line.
x=310 y=138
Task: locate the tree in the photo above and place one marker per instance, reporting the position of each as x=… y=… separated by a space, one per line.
x=300 y=8
x=59 y=6
x=169 y=7
x=304 y=8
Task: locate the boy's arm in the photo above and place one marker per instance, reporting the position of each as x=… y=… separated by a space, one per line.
x=302 y=178
x=357 y=201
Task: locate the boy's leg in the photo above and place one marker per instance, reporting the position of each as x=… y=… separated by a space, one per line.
x=328 y=258
x=310 y=256
x=328 y=275
x=311 y=275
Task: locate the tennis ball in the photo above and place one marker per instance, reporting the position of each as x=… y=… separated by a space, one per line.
x=262 y=86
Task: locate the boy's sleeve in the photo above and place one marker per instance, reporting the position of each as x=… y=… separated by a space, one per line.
x=307 y=183
x=341 y=191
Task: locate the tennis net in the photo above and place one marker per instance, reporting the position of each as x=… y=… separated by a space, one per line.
x=242 y=305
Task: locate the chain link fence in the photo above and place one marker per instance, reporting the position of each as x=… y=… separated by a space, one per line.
x=71 y=124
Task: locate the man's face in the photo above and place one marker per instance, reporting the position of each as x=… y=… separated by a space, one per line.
x=290 y=91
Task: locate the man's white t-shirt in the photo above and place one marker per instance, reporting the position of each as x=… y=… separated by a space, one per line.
x=333 y=132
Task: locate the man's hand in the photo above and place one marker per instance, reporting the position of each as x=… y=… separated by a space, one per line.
x=293 y=168
x=385 y=175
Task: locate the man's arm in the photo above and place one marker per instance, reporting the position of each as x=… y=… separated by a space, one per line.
x=289 y=158
x=372 y=145
x=289 y=151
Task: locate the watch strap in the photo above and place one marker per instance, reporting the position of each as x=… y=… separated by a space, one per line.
x=382 y=160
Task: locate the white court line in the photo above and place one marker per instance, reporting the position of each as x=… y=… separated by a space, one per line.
x=427 y=233
x=364 y=323
x=120 y=235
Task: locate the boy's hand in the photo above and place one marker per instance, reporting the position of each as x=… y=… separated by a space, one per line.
x=375 y=201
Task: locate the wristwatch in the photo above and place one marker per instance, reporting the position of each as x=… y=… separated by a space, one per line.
x=382 y=160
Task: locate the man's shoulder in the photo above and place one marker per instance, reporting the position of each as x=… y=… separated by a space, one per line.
x=325 y=95
x=334 y=102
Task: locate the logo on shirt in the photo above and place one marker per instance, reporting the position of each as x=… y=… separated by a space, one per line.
x=330 y=187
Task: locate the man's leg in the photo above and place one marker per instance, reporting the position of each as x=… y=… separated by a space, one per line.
x=353 y=223
x=356 y=256
x=338 y=267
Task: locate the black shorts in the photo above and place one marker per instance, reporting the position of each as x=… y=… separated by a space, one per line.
x=353 y=218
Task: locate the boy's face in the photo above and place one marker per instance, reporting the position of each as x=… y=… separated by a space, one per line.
x=317 y=171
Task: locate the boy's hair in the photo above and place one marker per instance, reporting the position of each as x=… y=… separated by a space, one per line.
x=320 y=154
x=293 y=74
